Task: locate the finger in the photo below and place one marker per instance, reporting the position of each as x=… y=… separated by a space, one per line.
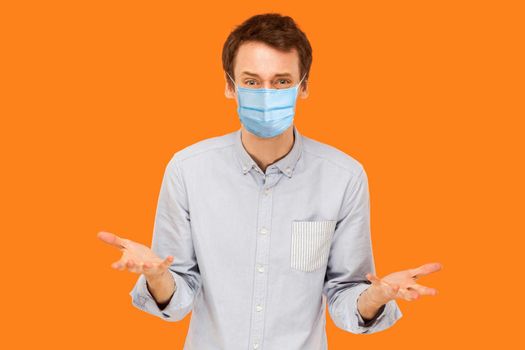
x=167 y=262
x=111 y=239
x=408 y=295
x=147 y=266
x=403 y=294
x=425 y=269
x=134 y=266
x=119 y=265
x=422 y=290
x=130 y=264
x=373 y=278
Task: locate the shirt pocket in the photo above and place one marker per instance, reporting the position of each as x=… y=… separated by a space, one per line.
x=310 y=244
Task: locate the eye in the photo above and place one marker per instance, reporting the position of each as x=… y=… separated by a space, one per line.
x=282 y=83
x=250 y=82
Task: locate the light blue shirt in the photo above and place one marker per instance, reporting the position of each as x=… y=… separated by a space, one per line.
x=258 y=255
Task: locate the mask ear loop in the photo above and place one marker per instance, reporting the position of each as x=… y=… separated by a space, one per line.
x=233 y=81
x=299 y=85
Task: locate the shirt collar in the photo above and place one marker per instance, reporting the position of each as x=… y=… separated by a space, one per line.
x=286 y=164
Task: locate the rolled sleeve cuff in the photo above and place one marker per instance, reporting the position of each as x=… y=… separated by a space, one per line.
x=353 y=322
x=178 y=307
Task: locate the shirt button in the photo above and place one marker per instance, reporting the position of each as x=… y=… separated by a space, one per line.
x=263 y=231
x=256 y=345
x=267 y=191
x=244 y=167
x=258 y=308
x=260 y=268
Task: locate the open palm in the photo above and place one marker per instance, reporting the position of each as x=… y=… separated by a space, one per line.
x=136 y=257
x=402 y=284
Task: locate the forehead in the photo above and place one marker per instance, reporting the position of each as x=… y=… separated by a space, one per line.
x=265 y=60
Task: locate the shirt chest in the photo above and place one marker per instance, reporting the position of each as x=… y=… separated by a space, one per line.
x=255 y=221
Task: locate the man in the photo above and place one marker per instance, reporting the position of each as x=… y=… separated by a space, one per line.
x=256 y=230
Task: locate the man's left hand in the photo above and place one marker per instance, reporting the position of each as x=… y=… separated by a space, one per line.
x=401 y=284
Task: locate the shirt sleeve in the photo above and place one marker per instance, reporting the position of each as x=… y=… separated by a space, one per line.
x=172 y=236
x=350 y=259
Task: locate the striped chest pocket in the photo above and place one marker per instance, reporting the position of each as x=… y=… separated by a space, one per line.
x=310 y=244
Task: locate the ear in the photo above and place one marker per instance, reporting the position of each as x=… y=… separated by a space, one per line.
x=303 y=91
x=228 y=91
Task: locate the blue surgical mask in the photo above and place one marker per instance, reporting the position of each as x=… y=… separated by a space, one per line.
x=266 y=112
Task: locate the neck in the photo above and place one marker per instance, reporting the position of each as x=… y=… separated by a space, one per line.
x=265 y=152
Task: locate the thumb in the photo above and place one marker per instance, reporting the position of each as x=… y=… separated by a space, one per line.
x=167 y=262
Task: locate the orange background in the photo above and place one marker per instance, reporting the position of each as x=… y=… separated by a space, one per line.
x=98 y=95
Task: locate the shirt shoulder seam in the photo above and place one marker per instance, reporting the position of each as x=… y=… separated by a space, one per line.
x=350 y=171
x=181 y=158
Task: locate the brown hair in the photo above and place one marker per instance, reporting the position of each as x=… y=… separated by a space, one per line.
x=273 y=29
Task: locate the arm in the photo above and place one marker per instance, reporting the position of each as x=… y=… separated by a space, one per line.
x=171 y=236
x=351 y=257
x=162 y=289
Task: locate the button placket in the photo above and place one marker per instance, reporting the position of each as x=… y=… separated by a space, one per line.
x=262 y=255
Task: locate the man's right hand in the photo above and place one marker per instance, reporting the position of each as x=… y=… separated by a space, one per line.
x=137 y=257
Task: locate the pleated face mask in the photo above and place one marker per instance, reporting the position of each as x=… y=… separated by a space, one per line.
x=266 y=112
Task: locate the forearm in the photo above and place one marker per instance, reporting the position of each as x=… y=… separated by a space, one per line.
x=367 y=307
x=162 y=288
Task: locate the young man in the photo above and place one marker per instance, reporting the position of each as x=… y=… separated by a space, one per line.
x=258 y=229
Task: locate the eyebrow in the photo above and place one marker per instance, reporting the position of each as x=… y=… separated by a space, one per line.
x=257 y=75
